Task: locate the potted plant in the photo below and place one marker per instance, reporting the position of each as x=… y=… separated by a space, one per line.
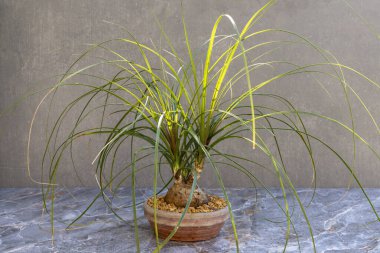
x=176 y=112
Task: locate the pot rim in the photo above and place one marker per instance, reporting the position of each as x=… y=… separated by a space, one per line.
x=220 y=212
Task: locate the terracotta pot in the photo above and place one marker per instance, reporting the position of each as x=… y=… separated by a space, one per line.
x=194 y=226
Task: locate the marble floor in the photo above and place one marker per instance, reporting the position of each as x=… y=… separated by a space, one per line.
x=342 y=221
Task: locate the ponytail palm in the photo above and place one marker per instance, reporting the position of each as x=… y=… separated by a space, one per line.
x=179 y=112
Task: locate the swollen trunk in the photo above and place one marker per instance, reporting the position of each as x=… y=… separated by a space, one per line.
x=180 y=191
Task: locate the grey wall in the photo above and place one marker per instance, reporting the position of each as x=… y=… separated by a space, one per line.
x=40 y=38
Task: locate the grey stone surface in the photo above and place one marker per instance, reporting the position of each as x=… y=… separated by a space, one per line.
x=40 y=38
x=341 y=219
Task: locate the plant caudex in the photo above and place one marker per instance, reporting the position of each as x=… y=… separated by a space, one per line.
x=183 y=109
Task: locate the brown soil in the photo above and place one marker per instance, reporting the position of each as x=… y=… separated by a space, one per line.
x=215 y=203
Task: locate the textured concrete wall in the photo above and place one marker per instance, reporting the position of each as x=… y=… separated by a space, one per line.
x=39 y=39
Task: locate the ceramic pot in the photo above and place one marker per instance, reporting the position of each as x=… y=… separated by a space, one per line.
x=194 y=226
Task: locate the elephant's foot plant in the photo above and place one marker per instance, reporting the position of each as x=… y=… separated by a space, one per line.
x=175 y=113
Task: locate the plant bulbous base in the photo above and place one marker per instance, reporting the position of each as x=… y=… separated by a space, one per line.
x=179 y=194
